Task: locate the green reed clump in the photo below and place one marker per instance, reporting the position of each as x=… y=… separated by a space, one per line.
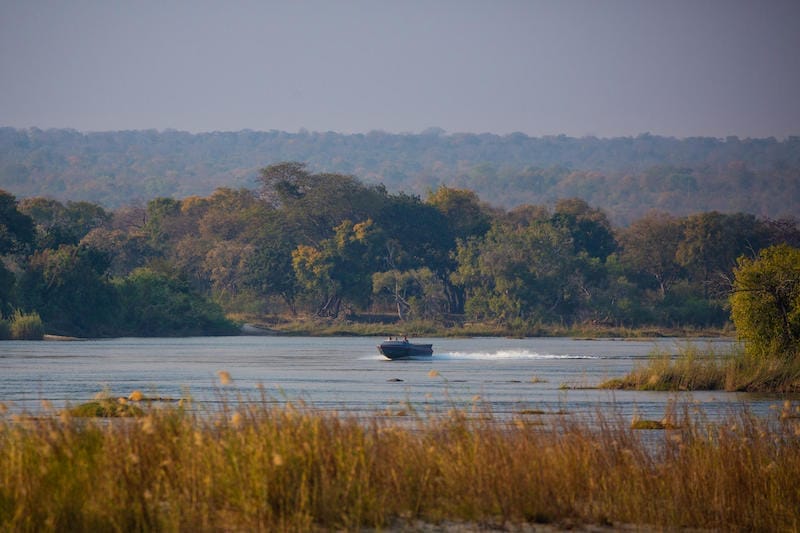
x=26 y=326
x=258 y=466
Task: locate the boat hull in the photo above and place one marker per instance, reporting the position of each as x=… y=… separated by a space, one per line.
x=404 y=350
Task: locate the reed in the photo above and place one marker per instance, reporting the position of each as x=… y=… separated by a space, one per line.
x=705 y=369
x=254 y=465
x=26 y=326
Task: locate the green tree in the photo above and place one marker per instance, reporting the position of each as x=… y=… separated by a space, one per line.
x=414 y=293
x=58 y=224
x=649 y=247
x=69 y=290
x=269 y=271
x=589 y=227
x=16 y=228
x=341 y=268
x=315 y=204
x=159 y=303
x=463 y=210
x=765 y=302
x=712 y=243
x=7 y=280
x=525 y=273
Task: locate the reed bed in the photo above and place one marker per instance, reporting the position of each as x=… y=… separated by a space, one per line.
x=255 y=466
x=697 y=368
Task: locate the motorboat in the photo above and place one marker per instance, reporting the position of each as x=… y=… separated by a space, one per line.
x=395 y=348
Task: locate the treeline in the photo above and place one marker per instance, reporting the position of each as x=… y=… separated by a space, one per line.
x=328 y=245
x=626 y=176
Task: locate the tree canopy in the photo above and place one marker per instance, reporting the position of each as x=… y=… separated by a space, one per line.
x=331 y=246
x=765 y=303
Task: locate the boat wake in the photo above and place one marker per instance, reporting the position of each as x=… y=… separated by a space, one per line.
x=507 y=354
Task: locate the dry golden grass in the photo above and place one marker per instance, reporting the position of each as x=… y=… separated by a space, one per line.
x=253 y=466
x=704 y=369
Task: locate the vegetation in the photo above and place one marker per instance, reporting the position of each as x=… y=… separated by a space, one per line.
x=624 y=176
x=765 y=303
x=326 y=247
x=255 y=466
x=765 y=306
x=26 y=326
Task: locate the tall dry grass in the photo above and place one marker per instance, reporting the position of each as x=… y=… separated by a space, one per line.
x=26 y=326
x=697 y=368
x=254 y=466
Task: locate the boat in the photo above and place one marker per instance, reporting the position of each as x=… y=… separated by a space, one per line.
x=403 y=349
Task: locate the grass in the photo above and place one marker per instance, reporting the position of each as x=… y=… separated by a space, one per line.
x=26 y=326
x=697 y=369
x=254 y=466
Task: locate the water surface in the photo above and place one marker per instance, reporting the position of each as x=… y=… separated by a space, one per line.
x=346 y=374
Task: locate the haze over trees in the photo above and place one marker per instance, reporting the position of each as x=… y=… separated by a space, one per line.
x=328 y=245
x=626 y=177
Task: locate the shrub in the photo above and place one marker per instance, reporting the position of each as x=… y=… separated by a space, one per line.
x=28 y=327
x=5 y=330
x=765 y=303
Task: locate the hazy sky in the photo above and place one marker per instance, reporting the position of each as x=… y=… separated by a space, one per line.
x=595 y=67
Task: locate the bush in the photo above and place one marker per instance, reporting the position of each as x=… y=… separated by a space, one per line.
x=765 y=303
x=157 y=304
x=5 y=330
x=26 y=327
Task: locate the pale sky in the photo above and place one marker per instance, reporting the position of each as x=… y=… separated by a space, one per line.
x=591 y=67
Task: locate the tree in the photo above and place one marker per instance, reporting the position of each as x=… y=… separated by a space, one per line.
x=649 y=245
x=315 y=204
x=269 y=272
x=712 y=243
x=160 y=303
x=523 y=273
x=589 y=227
x=765 y=302
x=414 y=293
x=463 y=210
x=16 y=228
x=69 y=289
x=58 y=224
x=340 y=268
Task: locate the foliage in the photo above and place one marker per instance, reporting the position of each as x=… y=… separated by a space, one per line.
x=7 y=282
x=68 y=289
x=16 y=228
x=260 y=467
x=331 y=246
x=26 y=326
x=161 y=304
x=624 y=176
x=765 y=303
x=416 y=294
x=58 y=224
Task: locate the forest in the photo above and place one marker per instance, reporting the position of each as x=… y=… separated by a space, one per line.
x=625 y=176
x=330 y=247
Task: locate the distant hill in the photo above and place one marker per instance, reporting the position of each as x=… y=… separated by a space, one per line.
x=626 y=176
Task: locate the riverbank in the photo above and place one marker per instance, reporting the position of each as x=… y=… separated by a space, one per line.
x=385 y=325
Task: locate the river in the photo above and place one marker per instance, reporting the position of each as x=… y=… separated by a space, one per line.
x=347 y=375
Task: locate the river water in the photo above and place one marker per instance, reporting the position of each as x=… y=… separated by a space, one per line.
x=348 y=375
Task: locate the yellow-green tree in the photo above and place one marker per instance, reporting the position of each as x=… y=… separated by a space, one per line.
x=765 y=303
